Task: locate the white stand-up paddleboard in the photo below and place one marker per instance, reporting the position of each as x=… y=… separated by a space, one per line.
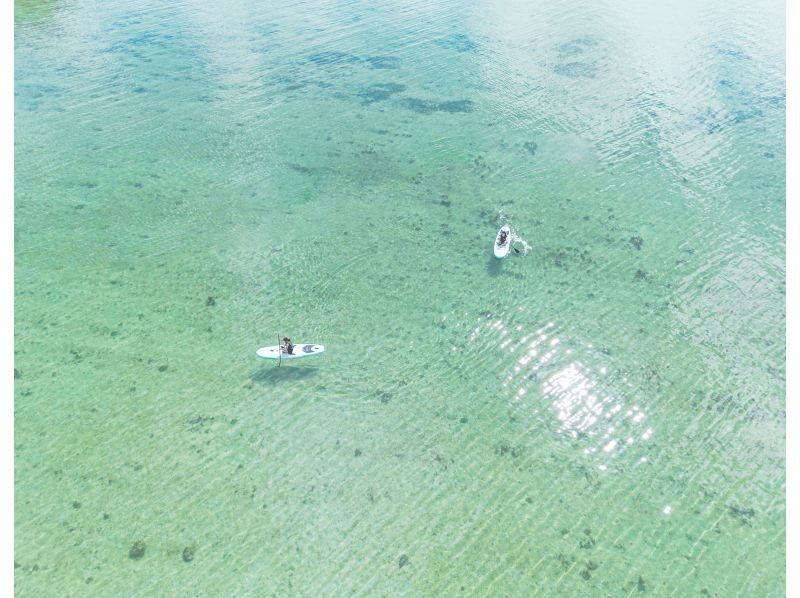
x=502 y=250
x=299 y=350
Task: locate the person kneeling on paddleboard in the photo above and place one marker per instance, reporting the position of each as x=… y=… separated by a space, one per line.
x=288 y=347
x=503 y=238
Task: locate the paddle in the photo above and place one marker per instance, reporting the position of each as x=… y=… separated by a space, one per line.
x=280 y=351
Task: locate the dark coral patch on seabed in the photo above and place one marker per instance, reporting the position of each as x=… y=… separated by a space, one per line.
x=730 y=53
x=530 y=147
x=743 y=515
x=456 y=106
x=429 y=106
x=299 y=168
x=380 y=92
x=576 y=70
x=458 y=42
x=137 y=550
x=575 y=47
x=383 y=62
x=419 y=106
x=333 y=57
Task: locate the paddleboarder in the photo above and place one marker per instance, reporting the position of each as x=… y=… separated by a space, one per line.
x=503 y=238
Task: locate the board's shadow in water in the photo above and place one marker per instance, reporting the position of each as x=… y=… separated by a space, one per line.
x=495 y=267
x=271 y=375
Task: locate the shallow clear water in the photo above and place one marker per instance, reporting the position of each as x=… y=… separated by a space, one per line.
x=602 y=415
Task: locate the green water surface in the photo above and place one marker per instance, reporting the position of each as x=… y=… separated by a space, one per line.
x=600 y=414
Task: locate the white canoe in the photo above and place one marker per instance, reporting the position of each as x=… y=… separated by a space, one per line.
x=300 y=350
x=502 y=250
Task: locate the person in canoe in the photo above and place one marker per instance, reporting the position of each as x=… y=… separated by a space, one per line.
x=288 y=347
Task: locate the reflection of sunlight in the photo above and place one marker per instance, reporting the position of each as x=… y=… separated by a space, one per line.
x=587 y=406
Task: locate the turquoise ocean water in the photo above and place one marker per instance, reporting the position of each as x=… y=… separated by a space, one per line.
x=600 y=414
